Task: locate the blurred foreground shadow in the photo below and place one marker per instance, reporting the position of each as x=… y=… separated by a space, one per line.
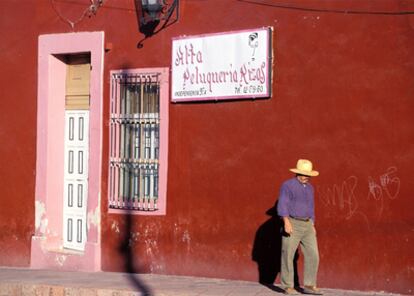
x=127 y=252
x=267 y=250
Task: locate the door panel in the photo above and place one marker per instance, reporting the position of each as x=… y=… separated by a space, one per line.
x=76 y=179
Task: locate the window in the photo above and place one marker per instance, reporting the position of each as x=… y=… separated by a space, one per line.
x=138 y=140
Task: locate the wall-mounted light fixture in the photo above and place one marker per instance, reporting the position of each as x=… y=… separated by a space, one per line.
x=151 y=13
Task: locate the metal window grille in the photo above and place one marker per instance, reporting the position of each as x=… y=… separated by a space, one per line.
x=134 y=141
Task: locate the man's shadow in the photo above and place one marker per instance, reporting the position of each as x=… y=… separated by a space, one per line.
x=126 y=250
x=267 y=250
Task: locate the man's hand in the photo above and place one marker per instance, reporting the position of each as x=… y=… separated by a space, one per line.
x=288 y=225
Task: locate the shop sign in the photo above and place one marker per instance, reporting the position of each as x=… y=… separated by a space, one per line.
x=231 y=65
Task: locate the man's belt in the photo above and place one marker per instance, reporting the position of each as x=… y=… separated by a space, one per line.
x=304 y=219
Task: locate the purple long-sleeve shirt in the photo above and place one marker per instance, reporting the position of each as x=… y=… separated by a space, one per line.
x=296 y=200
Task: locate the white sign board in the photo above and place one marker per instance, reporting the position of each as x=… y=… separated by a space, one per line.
x=233 y=65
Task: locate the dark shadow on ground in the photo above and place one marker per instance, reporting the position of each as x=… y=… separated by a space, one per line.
x=125 y=247
x=127 y=252
x=267 y=249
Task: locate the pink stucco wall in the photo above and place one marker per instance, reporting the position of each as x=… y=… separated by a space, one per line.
x=47 y=243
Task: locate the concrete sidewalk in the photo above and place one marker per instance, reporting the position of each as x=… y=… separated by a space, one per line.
x=63 y=283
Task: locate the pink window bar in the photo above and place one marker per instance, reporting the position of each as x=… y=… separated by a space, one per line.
x=134 y=141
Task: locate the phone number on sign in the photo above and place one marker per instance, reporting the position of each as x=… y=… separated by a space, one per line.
x=252 y=89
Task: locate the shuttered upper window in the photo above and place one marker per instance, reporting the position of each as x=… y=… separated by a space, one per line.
x=138 y=140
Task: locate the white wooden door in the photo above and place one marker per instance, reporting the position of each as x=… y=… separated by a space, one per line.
x=76 y=179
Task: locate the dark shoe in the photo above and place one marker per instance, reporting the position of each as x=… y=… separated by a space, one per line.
x=291 y=291
x=311 y=290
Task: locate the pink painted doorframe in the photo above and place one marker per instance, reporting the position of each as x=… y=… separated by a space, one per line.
x=47 y=243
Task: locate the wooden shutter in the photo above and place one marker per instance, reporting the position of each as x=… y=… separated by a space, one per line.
x=77 y=84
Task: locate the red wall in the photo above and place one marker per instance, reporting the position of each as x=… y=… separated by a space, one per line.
x=18 y=78
x=342 y=97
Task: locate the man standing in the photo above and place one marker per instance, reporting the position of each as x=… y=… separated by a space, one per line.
x=296 y=208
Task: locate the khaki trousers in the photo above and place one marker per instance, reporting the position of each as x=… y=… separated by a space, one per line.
x=304 y=234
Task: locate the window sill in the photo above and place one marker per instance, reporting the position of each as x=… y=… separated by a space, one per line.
x=136 y=212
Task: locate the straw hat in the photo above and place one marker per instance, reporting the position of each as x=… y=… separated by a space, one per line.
x=304 y=167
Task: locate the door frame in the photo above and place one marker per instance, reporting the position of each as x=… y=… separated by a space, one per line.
x=47 y=243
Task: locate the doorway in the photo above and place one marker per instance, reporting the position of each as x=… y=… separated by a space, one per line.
x=76 y=146
x=69 y=152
